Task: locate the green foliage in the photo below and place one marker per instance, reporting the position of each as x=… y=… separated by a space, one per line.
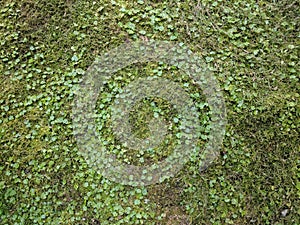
x=253 y=49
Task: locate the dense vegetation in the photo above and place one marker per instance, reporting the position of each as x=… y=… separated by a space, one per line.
x=252 y=46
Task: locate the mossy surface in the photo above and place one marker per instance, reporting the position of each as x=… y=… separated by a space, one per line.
x=251 y=46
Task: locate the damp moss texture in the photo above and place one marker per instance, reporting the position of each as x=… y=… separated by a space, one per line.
x=251 y=46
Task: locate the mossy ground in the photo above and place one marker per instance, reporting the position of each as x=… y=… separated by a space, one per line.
x=252 y=48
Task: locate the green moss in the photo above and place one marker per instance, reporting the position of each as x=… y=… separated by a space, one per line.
x=253 y=49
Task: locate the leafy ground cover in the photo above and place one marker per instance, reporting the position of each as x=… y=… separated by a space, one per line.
x=251 y=46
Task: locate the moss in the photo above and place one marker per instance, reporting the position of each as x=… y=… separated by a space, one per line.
x=253 y=50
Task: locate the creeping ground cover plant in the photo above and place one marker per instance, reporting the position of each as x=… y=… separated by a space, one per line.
x=149 y=112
